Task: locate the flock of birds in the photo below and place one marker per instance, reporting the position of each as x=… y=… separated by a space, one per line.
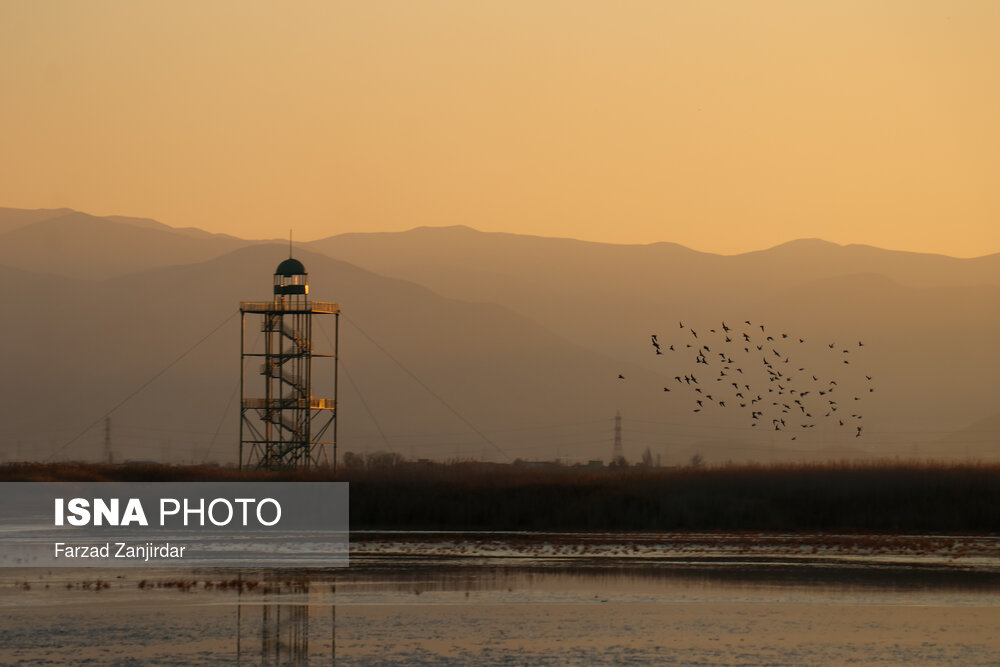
x=752 y=369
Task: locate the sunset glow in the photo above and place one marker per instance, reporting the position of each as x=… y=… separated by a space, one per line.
x=724 y=126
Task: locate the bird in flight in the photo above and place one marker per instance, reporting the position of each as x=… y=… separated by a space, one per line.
x=765 y=368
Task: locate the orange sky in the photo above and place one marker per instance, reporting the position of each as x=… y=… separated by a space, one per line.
x=726 y=126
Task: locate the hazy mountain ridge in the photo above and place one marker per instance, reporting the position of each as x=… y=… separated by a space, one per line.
x=155 y=224
x=538 y=334
x=497 y=368
x=83 y=246
x=652 y=266
x=13 y=218
x=498 y=252
x=613 y=297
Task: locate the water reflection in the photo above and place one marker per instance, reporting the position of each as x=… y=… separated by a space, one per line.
x=291 y=619
x=469 y=599
x=274 y=629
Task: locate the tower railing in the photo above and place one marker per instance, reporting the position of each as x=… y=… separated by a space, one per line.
x=289 y=307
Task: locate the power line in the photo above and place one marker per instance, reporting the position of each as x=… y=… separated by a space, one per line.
x=222 y=420
x=357 y=389
x=428 y=389
x=142 y=386
x=364 y=403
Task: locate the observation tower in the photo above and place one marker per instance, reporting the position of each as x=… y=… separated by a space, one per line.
x=283 y=424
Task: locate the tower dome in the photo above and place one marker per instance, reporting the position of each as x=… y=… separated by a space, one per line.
x=291 y=278
x=290 y=267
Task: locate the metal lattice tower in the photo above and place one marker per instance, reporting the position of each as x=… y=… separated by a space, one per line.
x=287 y=427
x=618 y=455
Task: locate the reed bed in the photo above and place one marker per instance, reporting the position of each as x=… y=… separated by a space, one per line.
x=874 y=496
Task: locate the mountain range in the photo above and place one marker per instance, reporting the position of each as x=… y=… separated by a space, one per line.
x=461 y=343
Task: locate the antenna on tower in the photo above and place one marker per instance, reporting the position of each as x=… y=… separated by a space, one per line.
x=289 y=244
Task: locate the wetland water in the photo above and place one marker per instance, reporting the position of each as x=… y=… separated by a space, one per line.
x=516 y=598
